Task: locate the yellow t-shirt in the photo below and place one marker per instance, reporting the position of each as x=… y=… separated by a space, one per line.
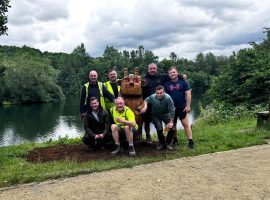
x=126 y=114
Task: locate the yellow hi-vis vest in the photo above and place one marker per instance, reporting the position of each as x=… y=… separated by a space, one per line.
x=108 y=103
x=101 y=99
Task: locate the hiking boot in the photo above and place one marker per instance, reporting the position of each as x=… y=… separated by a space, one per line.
x=169 y=147
x=191 y=144
x=160 y=146
x=131 y=151
x=116 y=150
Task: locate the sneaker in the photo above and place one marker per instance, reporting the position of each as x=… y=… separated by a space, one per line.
x=160 y=146
x=169 y=147
x=116 y=150
x=131 y=151
x=191 y=145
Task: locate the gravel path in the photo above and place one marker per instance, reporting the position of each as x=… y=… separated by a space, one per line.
x=238 y=174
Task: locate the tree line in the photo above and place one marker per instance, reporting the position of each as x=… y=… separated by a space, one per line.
x=28 y=75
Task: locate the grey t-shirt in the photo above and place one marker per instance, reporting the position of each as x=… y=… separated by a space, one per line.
x=161 y=106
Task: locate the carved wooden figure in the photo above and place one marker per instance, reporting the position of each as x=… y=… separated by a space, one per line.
x=131 y=91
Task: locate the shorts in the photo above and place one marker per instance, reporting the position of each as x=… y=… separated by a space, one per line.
x=122 y=130
x=179 y=113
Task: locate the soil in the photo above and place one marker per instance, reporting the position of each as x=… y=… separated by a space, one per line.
x=81 y=153
x=239 y=174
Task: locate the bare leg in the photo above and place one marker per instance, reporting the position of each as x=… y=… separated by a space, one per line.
x=129 y=134
x=115 y=133
x=187 y=128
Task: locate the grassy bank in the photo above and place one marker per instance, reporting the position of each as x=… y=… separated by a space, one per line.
x=14 y=168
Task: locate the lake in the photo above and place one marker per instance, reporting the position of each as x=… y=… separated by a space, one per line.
x=42 y=122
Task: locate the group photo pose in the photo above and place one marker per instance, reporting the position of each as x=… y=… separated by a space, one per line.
x=115 y=111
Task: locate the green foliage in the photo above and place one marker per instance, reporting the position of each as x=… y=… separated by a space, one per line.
x=28 y=78
x=2 y=70
x=64 y=140
x=220 y=113
x=4 y=5
x=246 y=78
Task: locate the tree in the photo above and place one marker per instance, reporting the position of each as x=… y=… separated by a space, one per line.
x=4 y=5
x=246 y=79
x=173 y=56
x=80 y=50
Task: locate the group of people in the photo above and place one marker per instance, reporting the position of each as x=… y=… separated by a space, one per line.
x=109 y=123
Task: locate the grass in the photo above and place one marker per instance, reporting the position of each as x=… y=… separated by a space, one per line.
x=14 y=169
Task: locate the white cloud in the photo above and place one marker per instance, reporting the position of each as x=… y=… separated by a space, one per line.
x=186 y=27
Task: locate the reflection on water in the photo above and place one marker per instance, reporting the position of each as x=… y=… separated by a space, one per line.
x=66 y=126
x=39 y=122
x=42 y=122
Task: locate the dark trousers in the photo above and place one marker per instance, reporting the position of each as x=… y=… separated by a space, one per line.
x=107 y=141
x=157 y=121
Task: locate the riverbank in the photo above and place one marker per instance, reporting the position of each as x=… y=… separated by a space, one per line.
x=15 y=169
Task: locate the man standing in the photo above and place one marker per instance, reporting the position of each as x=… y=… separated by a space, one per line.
x=162 y=111
x=124 y=125
x=152 y=79
x=97 y=126
x=112 y=87
x=93 y=89
x=180 y=92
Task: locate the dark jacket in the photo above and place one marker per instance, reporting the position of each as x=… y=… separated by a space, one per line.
x=93 y=127
x=93 y=91
x=152 y=82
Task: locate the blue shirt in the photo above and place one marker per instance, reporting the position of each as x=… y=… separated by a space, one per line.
x=177 y=91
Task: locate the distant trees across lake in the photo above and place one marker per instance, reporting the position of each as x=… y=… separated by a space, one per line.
x=28 y=75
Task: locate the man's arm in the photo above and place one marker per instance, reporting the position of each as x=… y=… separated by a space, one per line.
x=130 y=121
x=188 y=100
x=107 y=122
x=107 y=94
x=171 y=107
x=144 y=109
x=172 y=111
x=87 y=128
x=126 y=122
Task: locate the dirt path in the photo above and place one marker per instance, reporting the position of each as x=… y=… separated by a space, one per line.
x=238 y=174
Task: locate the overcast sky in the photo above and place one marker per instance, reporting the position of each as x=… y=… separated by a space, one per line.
x=186 y=27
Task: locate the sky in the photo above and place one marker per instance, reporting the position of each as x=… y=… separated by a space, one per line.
x=185 y=27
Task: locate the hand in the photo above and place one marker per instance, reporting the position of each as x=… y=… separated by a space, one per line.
x=101 y=136
x=169 y=125
x=119 y=120
x=143 y=110
x=187 y=109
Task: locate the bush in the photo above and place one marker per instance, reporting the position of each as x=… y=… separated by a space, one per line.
x=218 y=113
